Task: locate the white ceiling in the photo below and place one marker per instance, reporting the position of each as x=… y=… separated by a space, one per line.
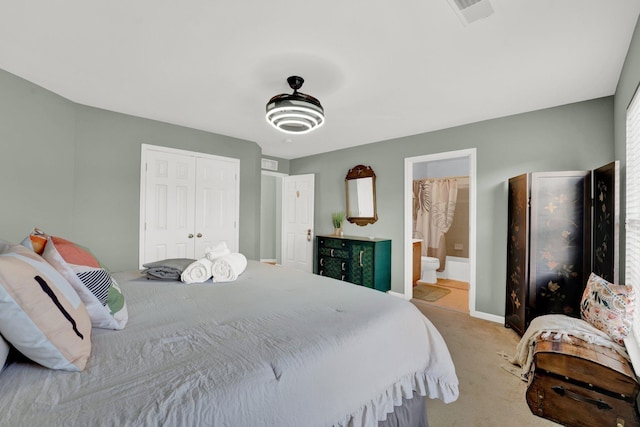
x=382 y=69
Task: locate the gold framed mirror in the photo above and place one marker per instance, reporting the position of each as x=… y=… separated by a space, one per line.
x=360 y=185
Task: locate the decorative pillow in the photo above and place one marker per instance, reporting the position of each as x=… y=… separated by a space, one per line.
x=40 y=313
x=4 y=353
x=608 y=307
x=95 y=286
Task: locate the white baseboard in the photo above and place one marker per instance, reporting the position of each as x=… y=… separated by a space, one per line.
x=397 y=294
x=487 y=316
x=477 y=314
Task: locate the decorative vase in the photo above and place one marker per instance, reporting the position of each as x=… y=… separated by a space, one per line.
x=337 y=231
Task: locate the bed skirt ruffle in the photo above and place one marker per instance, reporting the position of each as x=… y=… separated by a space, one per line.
x=377 y=409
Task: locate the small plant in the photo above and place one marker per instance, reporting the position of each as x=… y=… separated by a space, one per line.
x=337 y=218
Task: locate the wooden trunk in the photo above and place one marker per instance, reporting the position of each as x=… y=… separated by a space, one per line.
x=582 y=385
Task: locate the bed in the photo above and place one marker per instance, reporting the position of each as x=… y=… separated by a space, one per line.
x=276 y=347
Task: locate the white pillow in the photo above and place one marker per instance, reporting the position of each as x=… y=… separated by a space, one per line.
x=40 y=313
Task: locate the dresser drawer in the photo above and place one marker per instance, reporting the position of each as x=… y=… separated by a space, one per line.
x=333 y=267
x=334 y=248
x=333 y=253
x=328 y=242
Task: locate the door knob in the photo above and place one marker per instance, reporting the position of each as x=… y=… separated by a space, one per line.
x=190 y=235
x=309 y=235
x=199 y=235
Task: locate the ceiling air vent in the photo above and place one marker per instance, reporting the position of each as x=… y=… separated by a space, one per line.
x=471 y=10
x=271 y=165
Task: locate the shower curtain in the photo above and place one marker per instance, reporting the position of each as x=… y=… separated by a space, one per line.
x=434 y=206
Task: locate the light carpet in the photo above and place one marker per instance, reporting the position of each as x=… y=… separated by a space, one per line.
x=489 y=395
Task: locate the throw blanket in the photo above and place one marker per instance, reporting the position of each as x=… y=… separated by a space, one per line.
x=559 y=327
x=168 y=269
x=217 y=251
x=197 y=272
x=229 y=267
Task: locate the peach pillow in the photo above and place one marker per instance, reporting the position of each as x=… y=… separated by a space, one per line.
x=41 y=315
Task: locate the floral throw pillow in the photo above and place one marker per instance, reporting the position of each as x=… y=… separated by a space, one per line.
x=608 y=307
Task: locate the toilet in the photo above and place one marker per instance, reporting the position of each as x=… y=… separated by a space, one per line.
x=429 y=267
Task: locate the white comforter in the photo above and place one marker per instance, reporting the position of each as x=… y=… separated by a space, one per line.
x=274 y=348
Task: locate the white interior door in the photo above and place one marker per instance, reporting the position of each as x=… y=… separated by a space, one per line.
x=216 y=211
x=169 y=209
x=297 y=219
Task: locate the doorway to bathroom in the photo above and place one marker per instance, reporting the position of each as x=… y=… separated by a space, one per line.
x=440 y=229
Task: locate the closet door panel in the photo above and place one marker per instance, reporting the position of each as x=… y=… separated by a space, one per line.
x=560 y=232
x=517 y=254
x=216 y=208
x=169 y=211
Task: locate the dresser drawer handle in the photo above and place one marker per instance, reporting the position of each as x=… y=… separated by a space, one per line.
x=361 y=258
x=343 y=264
x=331 y=252
x=322 y=262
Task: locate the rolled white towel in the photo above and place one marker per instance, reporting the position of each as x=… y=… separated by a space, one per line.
x=217 y=251
x=228 y=267
x=197 y=272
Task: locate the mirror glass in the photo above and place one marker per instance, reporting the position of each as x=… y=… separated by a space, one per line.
x=361 y=195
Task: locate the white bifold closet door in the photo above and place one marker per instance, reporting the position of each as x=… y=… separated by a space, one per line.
x=189 y=201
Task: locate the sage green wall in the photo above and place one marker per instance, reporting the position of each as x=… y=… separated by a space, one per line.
x=576 y=136
x=74 y=171
x=629 y=81
x=268 y=224
x=37 y=157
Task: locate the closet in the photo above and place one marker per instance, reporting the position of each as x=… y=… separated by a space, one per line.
x=188 y=201
x=561 y=227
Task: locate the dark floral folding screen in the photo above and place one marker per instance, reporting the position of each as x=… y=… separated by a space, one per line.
x=549 y=249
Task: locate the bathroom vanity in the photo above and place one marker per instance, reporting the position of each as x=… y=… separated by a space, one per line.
x=360 y=260
x=417 y=262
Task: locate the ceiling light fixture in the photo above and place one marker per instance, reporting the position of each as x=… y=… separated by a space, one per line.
x=295 y=113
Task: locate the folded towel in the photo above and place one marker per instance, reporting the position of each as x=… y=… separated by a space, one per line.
x=197 y=272
x=228 y=267
x=217 y=251
x=168 y=269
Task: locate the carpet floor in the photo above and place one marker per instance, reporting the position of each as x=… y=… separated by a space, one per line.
x=489 y=395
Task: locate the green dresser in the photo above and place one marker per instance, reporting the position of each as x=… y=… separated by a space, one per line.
x=358 y=260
